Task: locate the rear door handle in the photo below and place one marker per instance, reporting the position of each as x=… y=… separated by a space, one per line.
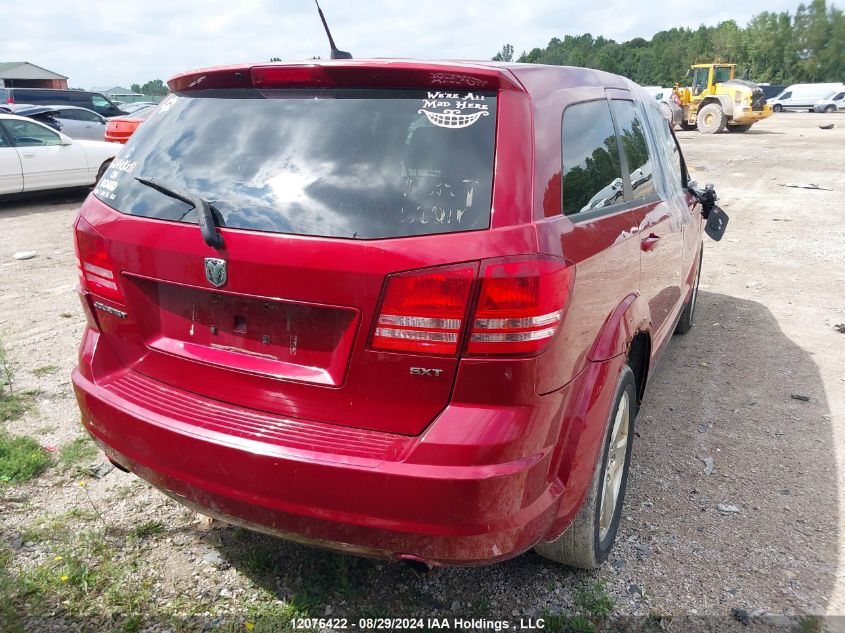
x=27 y=154
x=650 y=243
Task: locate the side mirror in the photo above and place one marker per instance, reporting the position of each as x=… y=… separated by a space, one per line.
x=717 y=220
x=66 y=140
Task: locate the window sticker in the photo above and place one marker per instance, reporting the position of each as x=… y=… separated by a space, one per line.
x=452 y=110
x=168 y=102
x=107 y=186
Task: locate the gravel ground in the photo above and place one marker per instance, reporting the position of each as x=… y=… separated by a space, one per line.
x=761 y=532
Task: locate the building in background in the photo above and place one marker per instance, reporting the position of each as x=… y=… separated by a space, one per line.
x=26 y=75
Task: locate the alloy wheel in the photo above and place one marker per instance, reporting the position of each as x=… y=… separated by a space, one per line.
x=615 y=468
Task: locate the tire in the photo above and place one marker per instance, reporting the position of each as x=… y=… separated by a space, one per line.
x=829 y=109
x=588 y=541
x=687 y=319
x=102 y=170
x=777 y=107
x=739 y=128
x=711 y=119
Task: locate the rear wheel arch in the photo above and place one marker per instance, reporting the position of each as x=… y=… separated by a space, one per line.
x=619 y=328
x=639 y=359
x=588 y=535
x=724 y=101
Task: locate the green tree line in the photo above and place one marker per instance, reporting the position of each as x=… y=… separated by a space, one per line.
x=154 y=88
x=781 y=48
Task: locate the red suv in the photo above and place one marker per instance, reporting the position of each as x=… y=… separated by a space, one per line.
x=400 y=309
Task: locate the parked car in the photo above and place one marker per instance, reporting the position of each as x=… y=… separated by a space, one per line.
x=43 y=114
x=120 y=128
x=834 y=102
x=129 y=108
x=76 y=122
x=95 y=101
x=802 y=96
x=34 y=157
x=304 y=317
x=81 y=123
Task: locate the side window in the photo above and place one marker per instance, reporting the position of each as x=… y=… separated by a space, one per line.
x=69 y=114
x=28 y=134
x=699 y=82
x=28 y=96
x=100 y=102
x=786 y=95
x=634 y=145
x=839 y=97
x=84 y=115
x=591 y=175
x=3 y=141
x=721 y=74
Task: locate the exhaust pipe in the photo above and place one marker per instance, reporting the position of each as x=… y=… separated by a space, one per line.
x=415 y=564
x=118 y=465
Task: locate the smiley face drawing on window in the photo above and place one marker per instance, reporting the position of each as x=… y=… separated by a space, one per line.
x=451 y=110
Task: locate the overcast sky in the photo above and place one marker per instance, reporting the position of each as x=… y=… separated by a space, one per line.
x=120 y=43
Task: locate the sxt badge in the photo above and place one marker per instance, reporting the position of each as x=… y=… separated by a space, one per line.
x=423 y=371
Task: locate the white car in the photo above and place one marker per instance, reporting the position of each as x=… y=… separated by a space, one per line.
x=834 y=102
x=35 y=157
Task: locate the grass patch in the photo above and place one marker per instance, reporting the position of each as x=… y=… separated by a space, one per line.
x=591 y=609
x=593 y=600
x=45 y=370
x=147 y=529
x=79 y=450
x=21 y=458
x=13 y=404
x=810 y=624
x=85 y=579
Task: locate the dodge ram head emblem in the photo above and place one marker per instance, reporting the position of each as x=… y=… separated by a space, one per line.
x=215 y=271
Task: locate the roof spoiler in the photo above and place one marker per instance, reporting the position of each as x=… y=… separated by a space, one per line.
x=378 y=74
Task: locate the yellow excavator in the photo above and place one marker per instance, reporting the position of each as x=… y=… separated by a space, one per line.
x=717 y=101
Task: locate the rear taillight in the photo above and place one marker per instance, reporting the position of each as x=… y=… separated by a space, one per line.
x=423 y=311
x=520 y=306
x=96 y=273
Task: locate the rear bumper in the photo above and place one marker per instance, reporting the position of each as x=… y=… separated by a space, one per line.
x=474 y=488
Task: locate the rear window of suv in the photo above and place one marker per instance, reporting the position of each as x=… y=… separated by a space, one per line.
x=346 y=163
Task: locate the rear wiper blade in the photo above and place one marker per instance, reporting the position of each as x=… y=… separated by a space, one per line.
x=209 y=216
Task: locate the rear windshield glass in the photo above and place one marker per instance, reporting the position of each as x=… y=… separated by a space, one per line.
x=341 y=163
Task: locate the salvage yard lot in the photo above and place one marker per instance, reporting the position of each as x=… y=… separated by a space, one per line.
x=758 y=386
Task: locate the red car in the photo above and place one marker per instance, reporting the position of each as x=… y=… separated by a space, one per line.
x=120 y=128
x=406 y=310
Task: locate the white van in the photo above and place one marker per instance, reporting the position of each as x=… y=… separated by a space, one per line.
x=834 y=102
x=801 y=96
